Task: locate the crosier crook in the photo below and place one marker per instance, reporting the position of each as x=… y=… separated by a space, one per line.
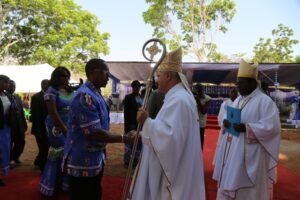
x=153 y=50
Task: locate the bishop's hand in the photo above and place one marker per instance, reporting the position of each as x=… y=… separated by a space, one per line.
x=142 y=115
x=226 y=123
x=131 y=137
x=239 y=127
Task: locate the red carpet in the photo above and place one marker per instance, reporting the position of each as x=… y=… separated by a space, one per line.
x=23 y=185
x=212 y=122
x=287 y=187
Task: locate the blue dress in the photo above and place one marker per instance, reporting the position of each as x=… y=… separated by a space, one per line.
x=52 y=175
x=4 y=142
x=4 y=149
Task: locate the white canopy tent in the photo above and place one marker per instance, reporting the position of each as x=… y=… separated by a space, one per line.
x=27 y=77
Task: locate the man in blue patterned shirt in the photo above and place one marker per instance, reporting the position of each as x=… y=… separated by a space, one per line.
x=88 y=133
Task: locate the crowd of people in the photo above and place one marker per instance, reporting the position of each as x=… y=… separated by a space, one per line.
x=71 y=128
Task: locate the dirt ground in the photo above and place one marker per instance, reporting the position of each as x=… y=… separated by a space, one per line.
x=114 y=162
x=290 y=149
x=289 y=152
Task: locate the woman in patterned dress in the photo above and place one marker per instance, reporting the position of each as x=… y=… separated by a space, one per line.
x=58 y=97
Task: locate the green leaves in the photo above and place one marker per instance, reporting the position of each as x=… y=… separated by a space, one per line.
x=278 y=49
x=196 y=20
x=58 y=32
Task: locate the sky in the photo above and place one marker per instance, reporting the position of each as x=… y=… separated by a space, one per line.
x=253 y=19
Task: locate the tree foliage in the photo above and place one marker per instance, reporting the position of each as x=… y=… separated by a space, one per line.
x=196 y=20
x=297 y=59
x=278 y=50
x=58 y=32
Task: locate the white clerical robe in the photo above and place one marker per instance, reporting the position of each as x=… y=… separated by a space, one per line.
x=249 y=170
x=223 y=110
x=221 y=117
x=171 y=167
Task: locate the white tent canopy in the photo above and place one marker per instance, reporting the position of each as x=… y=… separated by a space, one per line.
x=27 y=77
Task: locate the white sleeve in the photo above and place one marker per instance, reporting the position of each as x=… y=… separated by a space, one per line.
x=221 y=114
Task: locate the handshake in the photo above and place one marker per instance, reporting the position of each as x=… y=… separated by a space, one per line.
x=129 y=138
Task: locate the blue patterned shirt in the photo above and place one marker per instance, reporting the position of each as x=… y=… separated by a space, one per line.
x=89 y=113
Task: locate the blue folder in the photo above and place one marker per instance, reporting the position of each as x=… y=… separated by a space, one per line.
x=234 y=117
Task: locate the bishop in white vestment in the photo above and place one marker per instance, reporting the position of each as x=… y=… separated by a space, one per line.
x=171 y=167
x=245 y=166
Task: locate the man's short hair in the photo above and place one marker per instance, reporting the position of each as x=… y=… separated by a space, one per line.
x=45 y=82
x=198 y=87
x=135 y=84
x=12 y=81
x=94 y=63
x=4 y=78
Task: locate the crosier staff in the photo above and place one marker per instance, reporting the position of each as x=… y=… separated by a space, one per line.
x=153 y=50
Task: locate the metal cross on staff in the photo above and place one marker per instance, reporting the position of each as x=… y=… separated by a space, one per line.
x=153 y=50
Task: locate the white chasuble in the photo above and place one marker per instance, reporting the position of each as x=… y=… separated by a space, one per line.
x=247 y=171
x=171 y=167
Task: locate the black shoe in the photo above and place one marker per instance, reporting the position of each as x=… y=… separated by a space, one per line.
x=36 y=163
x=125 y=165
x=12 y=164
x=17 y=161
x=2 y=183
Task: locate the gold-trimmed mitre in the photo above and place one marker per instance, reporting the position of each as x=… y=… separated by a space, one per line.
x=172 y=61
x=247 y=70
